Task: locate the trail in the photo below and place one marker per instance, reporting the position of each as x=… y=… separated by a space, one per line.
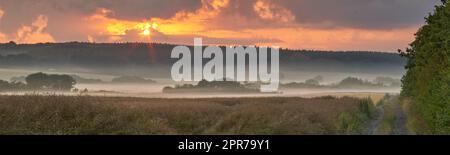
x=400 y=119
x=375 y=123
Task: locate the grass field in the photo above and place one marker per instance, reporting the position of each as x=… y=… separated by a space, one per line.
x=36 y=114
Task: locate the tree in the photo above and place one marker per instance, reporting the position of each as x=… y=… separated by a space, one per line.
x=4 y=85
x=427 y=80
x=131 y=79
x=40 y=81
x=318 y=78
x=312 y=82
x=61 y=82
x=349 y=81
x=11 y=86
x=36 y=80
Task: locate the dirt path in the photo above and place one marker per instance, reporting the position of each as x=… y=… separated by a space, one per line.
x=375 y=123
x=399 y=123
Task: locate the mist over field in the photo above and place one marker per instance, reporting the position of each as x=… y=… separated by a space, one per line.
x=96 y=65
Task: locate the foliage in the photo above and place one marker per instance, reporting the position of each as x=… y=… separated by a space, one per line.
x=131 y=79
x=354 y=121
x=114 y=58
x=214 y=86
x=39 y=81
x=11 y=86
x=80 y=79
x=427 y=80
x=349 y=82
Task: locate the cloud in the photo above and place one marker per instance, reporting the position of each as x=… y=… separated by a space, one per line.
x=105 y=28
x=1 y=13
x=271 y=11
x=2 y=36
x=34 y=33
x=192 y=22
x=318 y=24
x=90 y=39
x=361 y=14
x=339 y=39
x=182 y=23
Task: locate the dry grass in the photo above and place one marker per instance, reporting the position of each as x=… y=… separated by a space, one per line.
x=34 y=114
x=376 y=97
x=386 y=126
x=415 y=122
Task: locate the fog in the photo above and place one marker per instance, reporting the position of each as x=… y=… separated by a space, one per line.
x=154 y=90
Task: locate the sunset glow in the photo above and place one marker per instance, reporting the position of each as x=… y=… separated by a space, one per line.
x=254 y=22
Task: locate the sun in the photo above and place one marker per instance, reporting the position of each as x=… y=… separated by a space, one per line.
x=146 y=29
x=146 y=32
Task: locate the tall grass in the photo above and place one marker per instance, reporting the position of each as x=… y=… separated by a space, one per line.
x=54 y=114
x=416 y=123
x=355 y=120
x=388 y=105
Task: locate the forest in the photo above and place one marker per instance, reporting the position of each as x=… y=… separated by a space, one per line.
x=118 y=58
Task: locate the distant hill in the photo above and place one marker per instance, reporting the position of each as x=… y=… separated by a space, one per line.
x=155 y=57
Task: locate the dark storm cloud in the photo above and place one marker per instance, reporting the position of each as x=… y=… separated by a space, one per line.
x=365 y=14
x=125 y=8
x=142 y=9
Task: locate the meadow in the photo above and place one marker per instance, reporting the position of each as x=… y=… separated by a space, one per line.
x=90 y=115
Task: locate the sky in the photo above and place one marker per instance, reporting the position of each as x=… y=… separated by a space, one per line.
x=368 y=25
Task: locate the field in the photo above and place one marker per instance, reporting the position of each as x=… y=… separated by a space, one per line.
x=86 y=115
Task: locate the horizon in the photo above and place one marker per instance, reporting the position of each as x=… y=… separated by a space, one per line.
x=191 y=45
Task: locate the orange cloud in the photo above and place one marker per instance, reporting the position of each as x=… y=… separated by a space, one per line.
x=338 y=39
x=90 y=39
x=271 y=11
x=188 y=23
x=30 y=34
x=1 y=13
x=35 y=33
x=182 y=23
x=2 y=36
x=200 y=23
x=103 y=25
